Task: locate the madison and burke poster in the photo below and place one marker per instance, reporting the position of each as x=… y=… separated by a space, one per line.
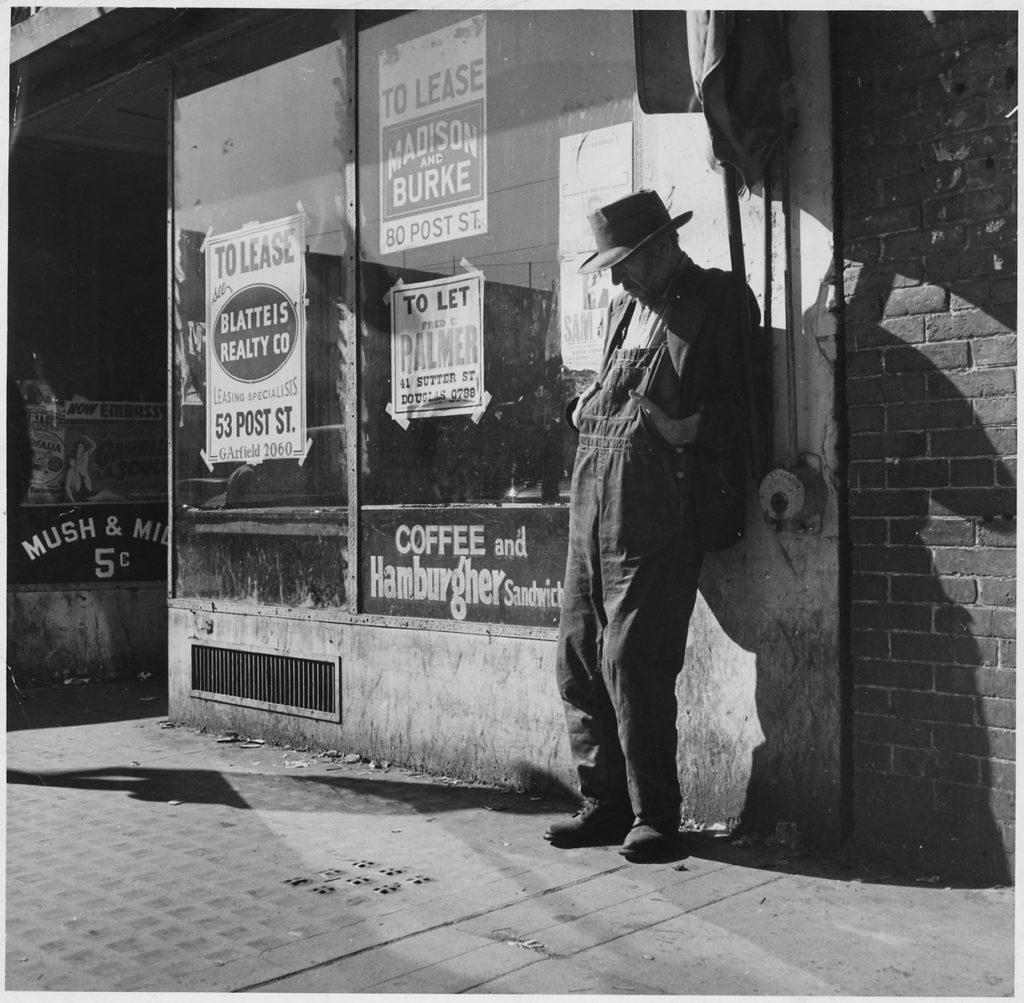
x=433 y=137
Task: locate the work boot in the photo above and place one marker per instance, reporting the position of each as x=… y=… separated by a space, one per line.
x=596 y=824
x=653 y=839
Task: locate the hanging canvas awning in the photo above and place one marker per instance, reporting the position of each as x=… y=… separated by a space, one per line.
x=732 y=65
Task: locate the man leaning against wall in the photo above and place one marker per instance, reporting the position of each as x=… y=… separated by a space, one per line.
x=658 y=481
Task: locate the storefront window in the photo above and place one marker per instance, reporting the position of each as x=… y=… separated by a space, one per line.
x=484 y=141
x=86 y=312
x=260 y=238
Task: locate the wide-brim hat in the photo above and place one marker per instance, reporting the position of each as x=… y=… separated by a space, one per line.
x=627 y=226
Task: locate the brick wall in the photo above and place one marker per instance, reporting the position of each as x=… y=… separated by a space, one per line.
x=927 y=182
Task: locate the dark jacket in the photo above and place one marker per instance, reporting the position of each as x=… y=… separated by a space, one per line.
x=703 y=335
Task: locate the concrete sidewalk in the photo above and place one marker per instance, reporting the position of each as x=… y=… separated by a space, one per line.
x=142 y=857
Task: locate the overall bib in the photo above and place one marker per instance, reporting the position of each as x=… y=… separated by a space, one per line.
x=629 y=589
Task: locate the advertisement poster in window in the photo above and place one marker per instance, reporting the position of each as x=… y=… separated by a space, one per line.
x=255 y=327
x=594 y=168
x=433 y=137
x=478 y=566
x=437 y=348
x=116 y=451
x=46 y=436
x=87 y=452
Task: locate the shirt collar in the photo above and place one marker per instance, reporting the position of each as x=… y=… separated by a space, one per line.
x=676 y=276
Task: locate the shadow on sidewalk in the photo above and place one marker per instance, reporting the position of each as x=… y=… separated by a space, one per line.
x=843 y=864
x=90 y=703
x=379 y=795
x=140 y=784
x=385 y=794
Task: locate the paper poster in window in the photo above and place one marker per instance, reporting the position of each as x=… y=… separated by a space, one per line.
x=595 y=168
x=46 y=435
x=255 y=324
x=116 y=451
x=433 y=137
x=437 y=348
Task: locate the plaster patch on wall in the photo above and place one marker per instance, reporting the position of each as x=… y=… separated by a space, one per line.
x=943 y=154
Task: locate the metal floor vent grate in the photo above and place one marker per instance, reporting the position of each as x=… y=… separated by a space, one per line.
x=305 y=687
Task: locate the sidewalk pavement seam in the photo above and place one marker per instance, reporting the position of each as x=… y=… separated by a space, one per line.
x=255 y=987
x=495 y=908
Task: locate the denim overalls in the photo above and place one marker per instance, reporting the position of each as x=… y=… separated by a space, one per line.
x=629 y=589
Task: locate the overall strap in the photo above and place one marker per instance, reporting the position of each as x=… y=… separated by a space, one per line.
x=618 y=336
x=656 y=347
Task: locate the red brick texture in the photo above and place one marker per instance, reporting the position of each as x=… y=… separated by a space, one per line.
x=926 y=116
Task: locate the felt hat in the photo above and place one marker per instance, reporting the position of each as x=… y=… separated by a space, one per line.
x=624 y=227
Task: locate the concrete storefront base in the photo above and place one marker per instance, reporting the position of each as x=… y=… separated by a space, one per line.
x=55 y=634
x=472 y=705
x=484 y=706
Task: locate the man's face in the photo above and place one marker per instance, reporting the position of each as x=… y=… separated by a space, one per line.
x=644 y=274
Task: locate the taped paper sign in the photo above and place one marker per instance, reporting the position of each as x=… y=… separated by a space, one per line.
x=595 y=168
x=255 y=322
x=437 y=347
x=46 y=435
x=433 y=137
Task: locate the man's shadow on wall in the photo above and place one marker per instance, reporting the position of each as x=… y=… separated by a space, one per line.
x=929 y=483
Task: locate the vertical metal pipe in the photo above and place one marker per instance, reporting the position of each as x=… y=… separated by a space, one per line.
x=792 y=438
x=739 y=270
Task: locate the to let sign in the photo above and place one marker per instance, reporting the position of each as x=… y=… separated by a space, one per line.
x=437 y=348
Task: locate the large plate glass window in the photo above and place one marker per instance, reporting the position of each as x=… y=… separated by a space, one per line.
x=484 y=140
x=260 y=237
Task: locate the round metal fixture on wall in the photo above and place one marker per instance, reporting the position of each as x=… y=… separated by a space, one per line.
x=795 y=495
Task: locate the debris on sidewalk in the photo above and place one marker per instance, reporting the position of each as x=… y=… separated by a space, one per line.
x=527 y=945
